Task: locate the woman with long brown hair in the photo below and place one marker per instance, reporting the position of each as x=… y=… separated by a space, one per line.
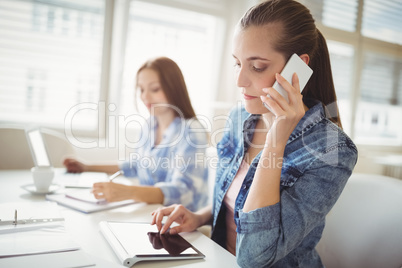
x=281 y=168
x=166 y=163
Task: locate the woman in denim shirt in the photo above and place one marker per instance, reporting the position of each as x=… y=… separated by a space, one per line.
x=280 y=169
x=165 y=161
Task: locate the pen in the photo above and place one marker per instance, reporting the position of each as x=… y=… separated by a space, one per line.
x=15 y=217
x=115 y=175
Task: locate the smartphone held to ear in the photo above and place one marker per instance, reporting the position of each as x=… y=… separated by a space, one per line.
x=294 y=65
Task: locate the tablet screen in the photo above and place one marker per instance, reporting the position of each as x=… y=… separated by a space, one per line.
x=144 y=240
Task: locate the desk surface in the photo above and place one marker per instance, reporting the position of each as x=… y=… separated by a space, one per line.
x=84 y=228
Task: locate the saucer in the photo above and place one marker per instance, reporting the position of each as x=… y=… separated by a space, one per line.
x=32 y=189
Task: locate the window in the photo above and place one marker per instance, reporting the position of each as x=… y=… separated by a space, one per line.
x=382 y=20
x=379 y=109
x=365 y=50
x=341 y=56
x=58 y=65
x=187 y=37
x=51 y=52
x=341 y=14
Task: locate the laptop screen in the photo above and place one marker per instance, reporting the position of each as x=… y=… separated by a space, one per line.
x=38 y=149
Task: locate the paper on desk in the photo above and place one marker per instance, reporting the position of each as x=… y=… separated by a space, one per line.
x=84 y=195
x=43 y=240
x=86 y=207
x=28 y=210
x=76 y=258
x=37 y=244
x=79 y=180
x=32 y=238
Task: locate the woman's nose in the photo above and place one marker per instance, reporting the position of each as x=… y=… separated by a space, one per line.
x=242 y=80
x=144 y=96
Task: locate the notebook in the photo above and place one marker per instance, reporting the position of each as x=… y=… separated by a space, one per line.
x=84 y=195
x=134 y=242
x=41 y=158
x=85 y=206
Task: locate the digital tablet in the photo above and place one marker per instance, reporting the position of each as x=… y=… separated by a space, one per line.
x=134 y=242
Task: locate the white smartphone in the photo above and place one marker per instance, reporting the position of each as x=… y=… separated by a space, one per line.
x=294 y=65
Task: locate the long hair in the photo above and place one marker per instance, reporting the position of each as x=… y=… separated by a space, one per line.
x=172 y=83
x=299 y=35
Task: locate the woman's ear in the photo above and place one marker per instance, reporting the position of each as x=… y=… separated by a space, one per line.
x=305 y=58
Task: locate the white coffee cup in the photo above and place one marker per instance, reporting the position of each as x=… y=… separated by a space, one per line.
x=43 y=177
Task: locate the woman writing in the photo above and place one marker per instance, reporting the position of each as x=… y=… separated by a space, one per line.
x=281 y=169
x=166 y=165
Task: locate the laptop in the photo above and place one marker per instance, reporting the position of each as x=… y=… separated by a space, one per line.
x=41 y=159
x=135 y=242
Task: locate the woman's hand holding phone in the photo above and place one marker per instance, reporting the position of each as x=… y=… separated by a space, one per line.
x=287 y=113
x=284 y=98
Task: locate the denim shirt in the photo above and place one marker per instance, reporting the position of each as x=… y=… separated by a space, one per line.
x=175 y=165
x=318 y=160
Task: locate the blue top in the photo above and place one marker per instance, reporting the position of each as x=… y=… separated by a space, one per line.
x=176 y=165
x=318 y=160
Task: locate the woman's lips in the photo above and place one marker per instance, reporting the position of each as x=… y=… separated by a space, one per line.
x=248 y=97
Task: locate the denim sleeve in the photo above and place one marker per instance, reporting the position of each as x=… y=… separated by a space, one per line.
x=268 y=234
x=129 y=169
x=186 y=182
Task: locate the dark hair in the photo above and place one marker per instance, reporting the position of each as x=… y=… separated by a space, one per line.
x=172 y=83
x=299 y=35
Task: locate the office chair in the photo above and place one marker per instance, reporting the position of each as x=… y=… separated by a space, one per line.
x=364 y=228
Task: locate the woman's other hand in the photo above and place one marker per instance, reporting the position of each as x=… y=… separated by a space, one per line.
x=187 y=220
x=74 y=166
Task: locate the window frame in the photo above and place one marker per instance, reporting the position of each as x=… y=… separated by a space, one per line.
x=361 y=45
x=104 y=76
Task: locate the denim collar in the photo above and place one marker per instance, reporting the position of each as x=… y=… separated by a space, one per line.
x=314 y=114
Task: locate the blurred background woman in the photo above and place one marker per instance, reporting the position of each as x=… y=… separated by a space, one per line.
x=166 y=165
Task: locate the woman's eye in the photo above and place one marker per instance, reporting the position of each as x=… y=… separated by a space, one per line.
x=155 y=89
x=258 y=69
x=237 y=65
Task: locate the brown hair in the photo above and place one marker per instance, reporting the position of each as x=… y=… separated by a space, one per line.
x=172 y=83
x=299 y=35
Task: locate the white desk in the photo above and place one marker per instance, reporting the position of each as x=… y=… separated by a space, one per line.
x=84 y=228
